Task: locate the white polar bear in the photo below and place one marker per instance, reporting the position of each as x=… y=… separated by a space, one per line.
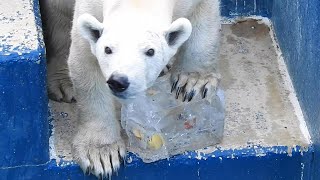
x=119 y=48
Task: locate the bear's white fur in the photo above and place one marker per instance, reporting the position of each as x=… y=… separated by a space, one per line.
x=129 y=28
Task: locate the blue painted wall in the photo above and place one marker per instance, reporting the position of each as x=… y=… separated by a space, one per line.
x=297 y=25
x=226 y=165
x=24 y=136
x=234 y=8
x=23 y=112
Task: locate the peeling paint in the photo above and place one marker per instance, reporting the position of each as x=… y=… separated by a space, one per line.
x=17 y=27
x=255 y=151
x=129 y=159
x=302 y=171
x=235 y=8
x=23 y=166
x=52 y=149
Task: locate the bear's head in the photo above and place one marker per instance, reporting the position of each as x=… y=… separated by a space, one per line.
x=131 y=57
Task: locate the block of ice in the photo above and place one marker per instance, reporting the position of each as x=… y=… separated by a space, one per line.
x=159 y=126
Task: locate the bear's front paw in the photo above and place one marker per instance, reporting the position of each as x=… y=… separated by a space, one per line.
x=97 y=157
x=188 y=85
x=59 y=84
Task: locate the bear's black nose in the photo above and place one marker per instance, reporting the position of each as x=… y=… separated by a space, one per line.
x=118 y=82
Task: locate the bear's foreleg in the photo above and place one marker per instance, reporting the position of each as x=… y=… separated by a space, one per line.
x=97 y=146
x=195 y=70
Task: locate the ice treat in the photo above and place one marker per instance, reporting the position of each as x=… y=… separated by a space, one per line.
x=160 y=126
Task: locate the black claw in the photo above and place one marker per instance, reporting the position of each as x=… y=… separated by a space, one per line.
x=178 y=92
x=113 y=170
x=185 y=97
x=192 y=93
x=100 y=176
x=92 y=169
x=205 y=91
x=87 y=171
x=174 y=85
x=73 y=100
x=161 y=74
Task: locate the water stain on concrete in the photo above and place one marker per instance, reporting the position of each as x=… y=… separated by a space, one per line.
x=227 y=76
x=274 y=101
x=250 y=29
x=231 y=40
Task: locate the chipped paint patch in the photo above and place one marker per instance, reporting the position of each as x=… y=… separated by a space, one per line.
x=302 y=171
x=52 y=149
x=63 y=163
x=236 y=8
x=129 y=159
x=260 y=19
x=255 y=151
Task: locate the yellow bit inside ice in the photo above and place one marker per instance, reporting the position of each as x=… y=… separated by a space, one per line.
x=155 y=142
x=137 y=133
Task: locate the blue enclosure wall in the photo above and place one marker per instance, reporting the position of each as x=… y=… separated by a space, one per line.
x=235 y=8
x=297 y=25
x=24 y=135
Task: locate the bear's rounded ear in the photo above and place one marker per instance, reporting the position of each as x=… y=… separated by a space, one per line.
x=90 y=28
x=178 y=32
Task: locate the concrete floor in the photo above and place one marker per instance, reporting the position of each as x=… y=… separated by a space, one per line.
x=18 y=27
x=261 y=108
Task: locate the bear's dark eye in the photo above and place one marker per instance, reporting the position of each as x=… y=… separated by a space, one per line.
x=150 y=52
x=108 y=50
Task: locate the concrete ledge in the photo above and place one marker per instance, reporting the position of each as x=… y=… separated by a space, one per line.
x=264 y=138
x=23 y=99
x=250 y=163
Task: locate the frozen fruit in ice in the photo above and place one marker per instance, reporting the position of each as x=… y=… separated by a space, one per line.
x=155 y=142
x=137 y=133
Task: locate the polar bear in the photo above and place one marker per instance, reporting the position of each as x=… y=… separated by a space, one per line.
x=56 y=19
x=119 y=48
